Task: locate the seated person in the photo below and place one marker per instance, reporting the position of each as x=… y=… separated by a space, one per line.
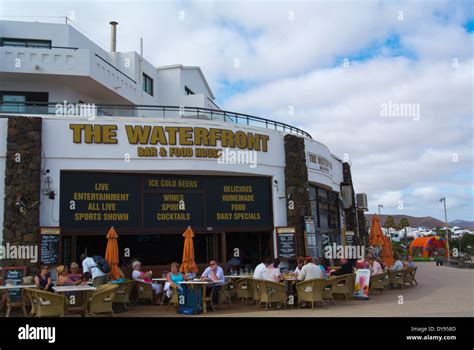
x=145 y=277
x=214 y=273
x=75 y=274
x=375 y=267
x=174 y=279
x=43 y=279
x=272 y=273
x=346 y=268
x=410 y=263
x=63 y=279
x=299 y=265
x=310 y=270
x=398 y=265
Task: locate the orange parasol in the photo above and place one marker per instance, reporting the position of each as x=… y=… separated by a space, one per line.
x=386 y=254
x=376 y=235
x=112 y=255
x=188 y=264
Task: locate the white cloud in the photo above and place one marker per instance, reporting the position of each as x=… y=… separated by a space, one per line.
x=299 y=63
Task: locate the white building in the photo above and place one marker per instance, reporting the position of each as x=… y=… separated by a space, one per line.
x=89 y=165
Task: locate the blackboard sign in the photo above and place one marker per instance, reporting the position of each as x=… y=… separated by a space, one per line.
x=96 y=201
x=286 y=242
x=238 y=201
x=173 y=210
x=49 y=245
x=99 y=200
x=14 y=276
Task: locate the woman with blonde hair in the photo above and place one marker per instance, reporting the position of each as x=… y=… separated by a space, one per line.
x=63 y=279
x=174 y=279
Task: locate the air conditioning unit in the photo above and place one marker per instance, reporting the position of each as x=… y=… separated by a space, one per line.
x=361 y=199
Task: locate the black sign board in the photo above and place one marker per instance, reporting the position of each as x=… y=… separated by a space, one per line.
x=49 y=245
x=99 y=200
x=144 y=202
x=173 y=210
x=14 y=276
x=286 y=241
x=238 y=201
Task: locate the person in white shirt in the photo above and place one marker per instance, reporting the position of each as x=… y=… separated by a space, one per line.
x=299 y=265
x=398 y=265
x=214 y=273
x=89 y=268
x=375 y=267
x=272 y=273
x=259 y=272
x=310 y=270
x=145 y=277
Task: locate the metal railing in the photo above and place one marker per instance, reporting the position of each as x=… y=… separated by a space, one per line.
x=156 y=111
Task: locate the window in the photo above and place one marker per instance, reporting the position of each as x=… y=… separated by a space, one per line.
x=325 y=208
x=23 y=101
x=25 y=43
x=188 y=91
x=147 y=84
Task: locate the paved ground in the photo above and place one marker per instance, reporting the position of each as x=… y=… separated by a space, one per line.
x=442 y=291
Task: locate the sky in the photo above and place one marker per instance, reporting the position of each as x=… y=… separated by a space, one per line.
x=387 y=85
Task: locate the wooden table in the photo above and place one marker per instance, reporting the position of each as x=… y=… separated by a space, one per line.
x=18 y=286
x=203 y=285
x=79 y=289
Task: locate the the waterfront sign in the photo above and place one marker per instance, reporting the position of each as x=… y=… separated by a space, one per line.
x=174 y=141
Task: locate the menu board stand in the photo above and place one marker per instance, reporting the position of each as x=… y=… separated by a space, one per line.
x=50 y=245
x=286 y=242
x=14 y=275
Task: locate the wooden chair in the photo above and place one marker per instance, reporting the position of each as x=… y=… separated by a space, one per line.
x=255 y=290
x=144 y=291
x=409 y=276
x=47 y=304
x=224 y=294
x=311 y=291
x=122 y=294
x=174 y=300
x=327 y=290
x=15 y=304
x=101 y=301
x=271 y=292
x=396 y=278
x=244 y=290
x=379 y=282
x=28 y=296
x=344 y=285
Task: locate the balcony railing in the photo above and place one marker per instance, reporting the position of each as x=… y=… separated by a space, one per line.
x=165 y=112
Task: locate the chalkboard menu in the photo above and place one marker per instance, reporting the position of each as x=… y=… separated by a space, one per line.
x=147 y=202
x=49 y=245
x=14 y=276
x=286 y=242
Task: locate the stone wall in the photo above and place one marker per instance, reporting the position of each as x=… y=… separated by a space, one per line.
x=22 y=182
x=296 y=187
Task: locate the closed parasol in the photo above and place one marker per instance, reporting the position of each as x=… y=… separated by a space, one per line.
x=188 y=264
x=112 y=255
